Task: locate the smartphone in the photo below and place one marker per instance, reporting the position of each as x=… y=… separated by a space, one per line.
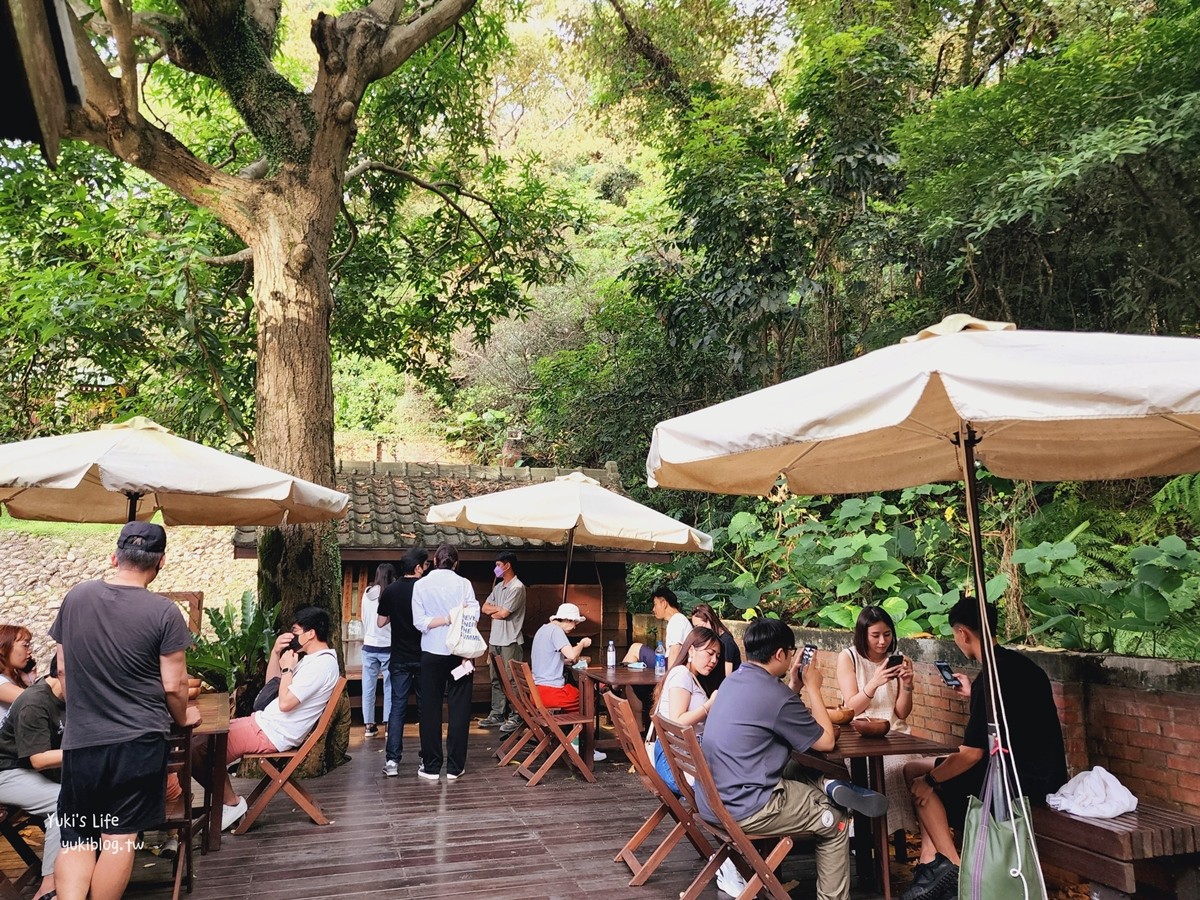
x=807 y=656
x=947 y=676
x=896 y=659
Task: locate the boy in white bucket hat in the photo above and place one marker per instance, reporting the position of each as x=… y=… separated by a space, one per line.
x=550 y=651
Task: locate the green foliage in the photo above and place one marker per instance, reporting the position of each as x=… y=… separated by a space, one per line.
x=481 y=436
x=237 y=652
x=365 y=392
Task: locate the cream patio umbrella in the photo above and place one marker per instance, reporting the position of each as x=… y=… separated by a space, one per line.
x=1047 y=406
x=571 y=509
x=136 y=468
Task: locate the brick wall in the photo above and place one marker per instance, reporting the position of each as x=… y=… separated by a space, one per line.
x=1138 y=718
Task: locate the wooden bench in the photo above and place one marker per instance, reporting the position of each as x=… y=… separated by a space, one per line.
x=1148 y=849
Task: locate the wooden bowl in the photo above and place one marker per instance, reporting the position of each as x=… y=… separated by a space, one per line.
x=871 y=728
x=840 y=715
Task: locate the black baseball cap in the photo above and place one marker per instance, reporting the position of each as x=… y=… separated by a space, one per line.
x=144 y=536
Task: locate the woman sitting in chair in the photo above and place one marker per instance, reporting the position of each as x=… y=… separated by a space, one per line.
x=680 y=697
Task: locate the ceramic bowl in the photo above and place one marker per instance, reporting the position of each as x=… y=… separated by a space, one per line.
x=871 y=727
x=840 y=715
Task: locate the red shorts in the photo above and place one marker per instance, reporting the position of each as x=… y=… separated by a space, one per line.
x=565 y=698
x=245 y=737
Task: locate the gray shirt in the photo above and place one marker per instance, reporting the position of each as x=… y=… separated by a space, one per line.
x=545 y=657
x=509 y=596
x=753 y=726
x=112 y=637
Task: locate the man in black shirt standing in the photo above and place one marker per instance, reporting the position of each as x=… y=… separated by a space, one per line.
x=940 y=790
x=404 y=669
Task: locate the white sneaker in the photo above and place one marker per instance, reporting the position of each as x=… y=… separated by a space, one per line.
x=231 y=814
x=452 y=777
x=598 y=756
x=730 y=880
x=428 y=776
x=391 y=768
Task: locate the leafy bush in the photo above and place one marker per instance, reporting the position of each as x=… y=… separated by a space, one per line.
x=365 y=392
x=236 y=655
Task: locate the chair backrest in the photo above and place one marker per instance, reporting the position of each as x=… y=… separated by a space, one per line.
x=506 y=682
x=630 y=736
x=525 y=688
x=322 y=725
x=682 y=747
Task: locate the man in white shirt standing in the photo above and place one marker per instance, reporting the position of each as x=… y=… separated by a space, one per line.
x=506 y=606
x=305 y=685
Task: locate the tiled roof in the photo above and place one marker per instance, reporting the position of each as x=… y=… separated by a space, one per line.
x=388 y=502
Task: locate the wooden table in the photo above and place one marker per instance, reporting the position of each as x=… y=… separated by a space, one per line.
x=590 y=681
x=865 y=756
x=214 y=726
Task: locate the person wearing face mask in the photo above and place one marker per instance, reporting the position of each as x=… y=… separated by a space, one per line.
x=307 y=668
x=506 y=606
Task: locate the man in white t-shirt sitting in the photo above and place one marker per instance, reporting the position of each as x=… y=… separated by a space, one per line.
x=305 y=684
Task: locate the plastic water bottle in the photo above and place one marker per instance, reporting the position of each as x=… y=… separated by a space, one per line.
x=660 y=659
x=611 y=658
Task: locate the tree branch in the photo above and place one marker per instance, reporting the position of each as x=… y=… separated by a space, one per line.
x=643 y=45
x=121 y=20
x=409 y=33
x=243 y=256
x=438 y=188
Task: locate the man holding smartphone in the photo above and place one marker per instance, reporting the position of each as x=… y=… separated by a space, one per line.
x=755 y=724
x=941 y=789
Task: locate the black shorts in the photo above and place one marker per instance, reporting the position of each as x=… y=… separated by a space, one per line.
x=113 y=789
x=955 y=793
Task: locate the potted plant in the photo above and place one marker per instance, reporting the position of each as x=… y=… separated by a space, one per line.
x=234 y=658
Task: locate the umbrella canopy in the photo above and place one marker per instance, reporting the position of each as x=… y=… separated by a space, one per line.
x=1046 y=406
x=137 y=468
x=571 y=508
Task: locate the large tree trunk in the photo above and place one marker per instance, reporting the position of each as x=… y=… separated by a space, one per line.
x=299 y=565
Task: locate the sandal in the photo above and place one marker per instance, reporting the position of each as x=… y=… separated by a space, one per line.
x=49 y=895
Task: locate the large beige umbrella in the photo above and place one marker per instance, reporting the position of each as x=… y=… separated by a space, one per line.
x=137 y=468
x=571 y=509
x=1038 y=405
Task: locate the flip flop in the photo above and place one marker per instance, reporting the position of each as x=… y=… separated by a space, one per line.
x=49 y=895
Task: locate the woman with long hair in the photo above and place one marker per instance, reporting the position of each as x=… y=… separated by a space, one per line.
x=680 y=696
x=705 y=616
x=377 y=649
x=15 y=652
x=872 y=687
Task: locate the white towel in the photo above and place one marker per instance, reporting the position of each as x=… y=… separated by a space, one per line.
x=1096 y=794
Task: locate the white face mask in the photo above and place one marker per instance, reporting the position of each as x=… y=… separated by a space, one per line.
x=499 y=570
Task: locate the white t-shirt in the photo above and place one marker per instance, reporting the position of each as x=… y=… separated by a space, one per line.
x=373 y=635
x=545 y=656
x=678 y=627
x=312 y=683
x=680 y=677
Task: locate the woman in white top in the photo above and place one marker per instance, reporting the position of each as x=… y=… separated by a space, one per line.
x=377 y=649
x=680 y=696
x=434 y=597
x=15 y=652
x=873 y=688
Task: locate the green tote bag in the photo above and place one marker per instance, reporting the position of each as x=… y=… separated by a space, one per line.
x=998 y=858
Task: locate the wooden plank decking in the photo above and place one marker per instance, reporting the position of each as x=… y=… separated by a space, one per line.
x=486 y=835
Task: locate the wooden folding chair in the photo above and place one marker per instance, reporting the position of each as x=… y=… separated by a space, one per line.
x=551 y=726
x=12 y=821
x=625 y=726
x=511 y=745
x=682 y=748
x=192 y=818
x=274 y=778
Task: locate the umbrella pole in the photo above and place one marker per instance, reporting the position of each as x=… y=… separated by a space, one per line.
x=570 y=553
x=133 y=497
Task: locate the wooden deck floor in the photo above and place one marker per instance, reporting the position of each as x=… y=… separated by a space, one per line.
x=486 y=835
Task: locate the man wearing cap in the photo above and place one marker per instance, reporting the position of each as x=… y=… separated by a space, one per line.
x=121 y=661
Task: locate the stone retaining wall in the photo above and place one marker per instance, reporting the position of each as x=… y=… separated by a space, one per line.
x=35 y=572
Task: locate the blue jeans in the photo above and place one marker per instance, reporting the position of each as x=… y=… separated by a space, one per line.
x=374 y=663
x=405 y=678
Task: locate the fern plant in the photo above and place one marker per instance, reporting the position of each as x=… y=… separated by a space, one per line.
x=237 y=652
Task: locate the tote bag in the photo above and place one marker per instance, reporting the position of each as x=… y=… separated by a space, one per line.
x=998 y=858
x=462 y=636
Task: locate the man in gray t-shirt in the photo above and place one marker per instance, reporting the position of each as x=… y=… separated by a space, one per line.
x=754 y=725
x=506 y=607
x=121 y=660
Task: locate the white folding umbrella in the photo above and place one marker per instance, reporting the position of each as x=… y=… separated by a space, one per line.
x=1038 y=405
x=571 y=509
x=137 y=468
